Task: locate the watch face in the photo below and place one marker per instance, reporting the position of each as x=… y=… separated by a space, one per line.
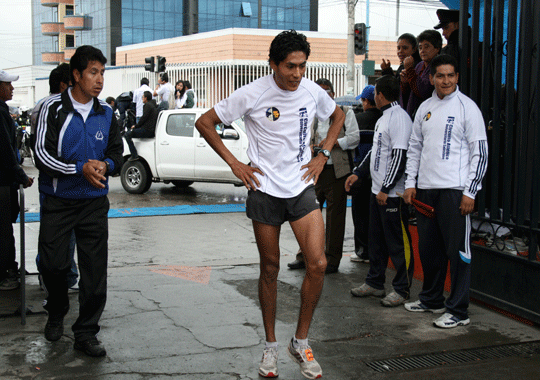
x=325 y=152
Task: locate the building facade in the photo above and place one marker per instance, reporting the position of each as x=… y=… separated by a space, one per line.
x=60 y=26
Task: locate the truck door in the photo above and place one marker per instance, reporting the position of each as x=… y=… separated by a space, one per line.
x=208 y=164
x=175 y=147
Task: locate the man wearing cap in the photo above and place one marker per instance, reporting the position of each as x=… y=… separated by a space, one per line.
x=449 y=23
x=330 y=187
x=361 y=191
x=11 y=176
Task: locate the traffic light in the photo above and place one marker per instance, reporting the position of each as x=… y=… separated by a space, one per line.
x=360 y=39
x=149 y=64
x=161 y=64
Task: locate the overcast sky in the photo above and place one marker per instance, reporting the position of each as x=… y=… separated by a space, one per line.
x=415 y=16
x=15 y=33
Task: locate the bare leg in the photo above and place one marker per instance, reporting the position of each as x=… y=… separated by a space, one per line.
x=309 y=232
x=267 y=237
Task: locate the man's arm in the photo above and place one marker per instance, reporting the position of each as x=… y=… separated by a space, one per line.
x=8 y=158
x=46 y=146
x=352 y=135
x=416 y=143
x=316 y=165
x=478 y=161
x=206 y=125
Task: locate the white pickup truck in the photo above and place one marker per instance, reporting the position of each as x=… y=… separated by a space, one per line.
x=178 y=154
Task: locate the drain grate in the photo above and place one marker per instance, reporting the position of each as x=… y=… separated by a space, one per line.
x=455 y=357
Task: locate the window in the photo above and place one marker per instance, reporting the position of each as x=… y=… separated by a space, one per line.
x=70 y=40
x=246 y=10
x=70 y=11
x=181 y=125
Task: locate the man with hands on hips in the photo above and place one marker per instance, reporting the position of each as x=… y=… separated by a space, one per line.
x=278 y=110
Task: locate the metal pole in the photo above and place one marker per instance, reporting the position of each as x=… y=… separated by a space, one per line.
x=350 y=46
x=397 y=18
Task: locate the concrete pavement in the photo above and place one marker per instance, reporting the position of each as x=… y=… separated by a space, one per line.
x=182 y=304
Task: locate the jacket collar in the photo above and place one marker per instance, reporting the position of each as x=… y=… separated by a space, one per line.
x=67 y=105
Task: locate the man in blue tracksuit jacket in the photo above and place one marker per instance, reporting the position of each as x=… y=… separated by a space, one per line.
x=78 y=145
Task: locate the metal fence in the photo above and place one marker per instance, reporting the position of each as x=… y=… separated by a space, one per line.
x=214 y=81
x=501 y=74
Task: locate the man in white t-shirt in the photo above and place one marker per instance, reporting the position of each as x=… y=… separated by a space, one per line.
x=164 y=89
x=137 y=98
x=446 y=161
x=389 y=235
x=278 y=110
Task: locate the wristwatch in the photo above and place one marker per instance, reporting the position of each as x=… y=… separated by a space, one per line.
x=325 y=152
x=107 y=167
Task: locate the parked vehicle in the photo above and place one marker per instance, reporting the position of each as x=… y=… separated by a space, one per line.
x=23 y=136
x=178 y=154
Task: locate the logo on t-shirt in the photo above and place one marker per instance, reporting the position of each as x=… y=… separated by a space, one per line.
x=99 y=136
x=272 y=114
x=427 y=117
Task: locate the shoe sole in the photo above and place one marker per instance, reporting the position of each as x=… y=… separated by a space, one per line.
x=390 y=304
x=360 y=295
x=306 y=375
x=434 y=311
x=269 y=374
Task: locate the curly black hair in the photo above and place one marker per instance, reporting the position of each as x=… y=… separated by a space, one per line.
x=286 y=43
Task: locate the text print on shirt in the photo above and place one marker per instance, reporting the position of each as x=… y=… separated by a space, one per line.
x=447 y=138
x=303 y=119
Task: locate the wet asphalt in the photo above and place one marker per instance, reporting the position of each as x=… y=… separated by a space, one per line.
x=182 y=304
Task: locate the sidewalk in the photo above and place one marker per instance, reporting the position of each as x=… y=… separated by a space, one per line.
x=182 y=304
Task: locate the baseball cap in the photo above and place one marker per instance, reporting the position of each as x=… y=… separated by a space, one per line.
x=368 y=93
x=5 y=77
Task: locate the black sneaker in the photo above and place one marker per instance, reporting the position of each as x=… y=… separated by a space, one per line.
x=54 y=329
x=90 y=347
x=297 y=264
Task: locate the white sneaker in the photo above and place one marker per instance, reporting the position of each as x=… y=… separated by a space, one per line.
x=304 y=357
x=418 y=306
x=268 y=366
x=448 y=321
x=357 y=259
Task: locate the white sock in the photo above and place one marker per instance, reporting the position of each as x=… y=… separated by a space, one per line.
x=299 y=342
x=271 y=345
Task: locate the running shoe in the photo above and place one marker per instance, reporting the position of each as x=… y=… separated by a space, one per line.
x=393 y=299
x=448 y=321
x=365 y=290
x=268 y=366
x=304 y=357
x=418 y=306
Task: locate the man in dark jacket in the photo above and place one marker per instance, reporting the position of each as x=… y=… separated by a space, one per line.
x=146 y=127
x=11 y=176
x=78 y=145
x=449 y=23
x=360 y=192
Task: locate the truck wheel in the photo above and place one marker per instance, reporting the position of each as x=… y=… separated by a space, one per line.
x=135 y=177
x=181 y=184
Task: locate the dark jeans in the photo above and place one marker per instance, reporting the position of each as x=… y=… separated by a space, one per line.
x=137 y=132
x=8 y=216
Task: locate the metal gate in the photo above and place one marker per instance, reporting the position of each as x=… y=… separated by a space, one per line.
x=501 y=73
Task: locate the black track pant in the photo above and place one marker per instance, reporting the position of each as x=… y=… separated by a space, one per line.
x=389 y=236
x=8 y=215
x=360 y=196
x=442 y=239
x=88 y=218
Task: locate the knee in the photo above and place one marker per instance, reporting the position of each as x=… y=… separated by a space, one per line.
x=317 y=266
x=270 y=270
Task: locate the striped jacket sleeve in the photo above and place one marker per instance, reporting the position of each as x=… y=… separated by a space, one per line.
x=478 y=163
x=47 y=141
x=395 y=170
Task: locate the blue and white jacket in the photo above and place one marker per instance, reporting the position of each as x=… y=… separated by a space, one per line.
x=64 y=143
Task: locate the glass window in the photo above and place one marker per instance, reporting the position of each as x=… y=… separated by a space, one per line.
x=181 y=125
x=70 y=40
x=159 y=34
x=246 y=10
x=138 y=36
x=127 y=18
x=148 y=20
x=159 y=21
x=138 y=4
x=69 y=10
x=127 y=36
x=126 y=4
x=159 y=6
